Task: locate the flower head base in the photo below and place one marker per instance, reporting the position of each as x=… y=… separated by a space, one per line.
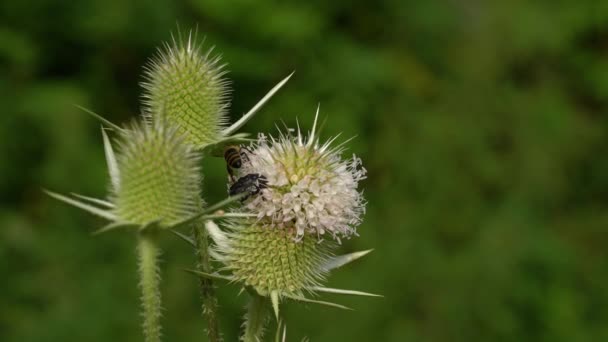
x=274 y=263
x=271 y=260
x=159 y=176
x=309 y=187
x=186 y=88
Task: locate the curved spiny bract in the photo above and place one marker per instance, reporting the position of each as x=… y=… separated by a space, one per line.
x=159 y=176
x=186 y=88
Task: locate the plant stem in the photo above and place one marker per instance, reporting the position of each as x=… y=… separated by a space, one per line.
x=210 y=306
x=255 y=318
x=201 y=240
x=149 y=275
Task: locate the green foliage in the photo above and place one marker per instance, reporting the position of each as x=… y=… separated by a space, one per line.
x=482 y=125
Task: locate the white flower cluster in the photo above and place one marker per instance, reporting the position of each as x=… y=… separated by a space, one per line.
x=310 y=188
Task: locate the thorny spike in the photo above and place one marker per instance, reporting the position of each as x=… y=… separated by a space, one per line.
x=101 y=118
x=274 y=298
x=342 y=260
x=91 y=209
x=256 y=108
x=93 y=200
x=311 y=139
x=111 y=161
x=340 y=291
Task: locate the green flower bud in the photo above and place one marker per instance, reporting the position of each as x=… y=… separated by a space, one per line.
x=185 y=87
x=159 y=176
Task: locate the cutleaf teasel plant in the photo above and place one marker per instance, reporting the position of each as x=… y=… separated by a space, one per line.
x=305 y=201
x=155 y=185
x=291 y=199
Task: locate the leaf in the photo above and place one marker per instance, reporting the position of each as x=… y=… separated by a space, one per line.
x=223 y=203
x=342 y=260
x=235 y=126
x=214 y=276
x=101 y=118
x=340 y=291
x=202 y=215
x=114 y=226
x=91 y=209
x=183 y=237
x=217 y=149
x=111 y=161
x=185 y=222
x=93 y=200
x=307 y=300
x=227 y=215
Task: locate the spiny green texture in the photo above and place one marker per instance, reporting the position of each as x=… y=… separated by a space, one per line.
x=186 y=88
x=149 y=281
x=159 y=176
x=270 y=259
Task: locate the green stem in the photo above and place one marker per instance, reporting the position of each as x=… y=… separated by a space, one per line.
x=223 y=203
x=149 y=281
x=210 y=306
x=201 y=240
x=255 y=319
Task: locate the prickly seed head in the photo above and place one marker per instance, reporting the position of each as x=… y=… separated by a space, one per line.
x=185 y=87
x=159 y=176
x=271 y=259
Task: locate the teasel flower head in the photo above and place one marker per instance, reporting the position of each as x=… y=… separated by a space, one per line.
x=310 y=193
x=155 y=179
x=310 y=188
x=271 y=259
x=185 y=87
x=160 y=177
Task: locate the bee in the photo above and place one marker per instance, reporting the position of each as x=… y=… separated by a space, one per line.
x=250 y=185
x=235 y=157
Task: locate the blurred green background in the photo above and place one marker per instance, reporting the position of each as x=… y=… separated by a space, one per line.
x=483 y=127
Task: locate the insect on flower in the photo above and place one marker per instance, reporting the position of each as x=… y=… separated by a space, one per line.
x=235 y=157
x=250 y=185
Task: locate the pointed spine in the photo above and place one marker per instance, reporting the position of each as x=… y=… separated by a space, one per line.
x=246 y=117
x=111 y=161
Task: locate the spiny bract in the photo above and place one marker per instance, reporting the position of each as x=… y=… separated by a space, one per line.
x=186 y=88
x=159 y=176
